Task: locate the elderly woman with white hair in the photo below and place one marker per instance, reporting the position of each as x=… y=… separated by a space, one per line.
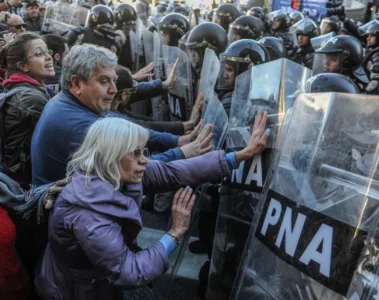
x=95 y=221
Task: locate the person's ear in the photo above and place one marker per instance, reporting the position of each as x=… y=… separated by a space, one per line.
x=22 y=66
x=75 y=85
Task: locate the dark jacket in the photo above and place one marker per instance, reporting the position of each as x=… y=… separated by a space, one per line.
x=304 y=56
x=176 y=128
x=61 y=131
x=93 y=228
x=33 y=24
x=21 y=114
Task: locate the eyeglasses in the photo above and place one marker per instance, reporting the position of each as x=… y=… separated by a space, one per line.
x=40 y=53
x=18 y=26
x=138 y=152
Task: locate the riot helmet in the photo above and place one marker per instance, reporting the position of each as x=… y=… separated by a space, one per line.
x=237 y=58
x=225 y=14
x=209 y=15
x=274 y=46
x=278 y=21
x=245 y=27
x=173 y=26
x=161 y=9
x=257 y=12
x=205 y=35
x=341 y=54
x=305 y=29
x=100 y=15
x=329 y=83
x=329 y=25
x=183 y=41
x=125 y=14
x=371 y=32
x=181 y=10
x=295 y=17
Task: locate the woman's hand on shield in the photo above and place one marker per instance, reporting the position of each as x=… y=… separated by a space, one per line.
x=169 y=83
x=258 y=138
x=183 y=202
x=200 y=144
x=145 y=73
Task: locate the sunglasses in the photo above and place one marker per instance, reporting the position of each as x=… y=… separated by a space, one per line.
x=18 y=26
x=138 y=152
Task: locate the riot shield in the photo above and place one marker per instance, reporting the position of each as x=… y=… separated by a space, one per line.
x=315 y=236
x=216 y=116
x=180 y=97
x=159 y=107
x=61 y=17
x=273 y=87
x=208 y=76
x=148 y=46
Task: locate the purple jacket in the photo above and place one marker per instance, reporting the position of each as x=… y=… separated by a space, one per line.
x=93 y=228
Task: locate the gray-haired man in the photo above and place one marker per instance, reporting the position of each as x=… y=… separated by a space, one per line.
x=89 y=85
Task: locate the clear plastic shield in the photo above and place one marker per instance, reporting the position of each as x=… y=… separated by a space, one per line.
x=61 y=17
x=369 y=28
x=216 y=116
x=180 y=97
x=316 y=234
x=273 y=87
x=328 y=63
x=148 y=46
x=208 y=76
x=157 y=103
x=318 y=41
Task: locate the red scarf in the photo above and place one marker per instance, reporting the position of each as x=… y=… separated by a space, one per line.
x=20 y=78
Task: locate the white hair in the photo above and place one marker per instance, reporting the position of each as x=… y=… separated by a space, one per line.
x=105 y=144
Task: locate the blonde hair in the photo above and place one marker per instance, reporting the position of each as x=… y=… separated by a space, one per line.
x=105 y=144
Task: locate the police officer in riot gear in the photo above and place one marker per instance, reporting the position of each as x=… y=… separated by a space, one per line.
x=99 y=30
x=258 y=12
x=209 y=15
x=181 y=10
x=330 y=24
x=305 y=29
x=125 y=16
x=274 y=46
x=341 y=54
x=370 y=31
x=295 y=17
x=172 y=27
x=225 y=14
x=245 y=27
x=237 y=58
x=143 y=10
x=279 y=29
x=331 y=82
x=205 y=35
x=126 y=19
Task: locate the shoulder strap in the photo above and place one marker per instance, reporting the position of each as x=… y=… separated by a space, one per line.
x=5 y=95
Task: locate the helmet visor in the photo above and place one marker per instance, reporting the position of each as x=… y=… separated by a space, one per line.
x=227 y=75
x=328 y=63
x=369 y=28
x=327 y=26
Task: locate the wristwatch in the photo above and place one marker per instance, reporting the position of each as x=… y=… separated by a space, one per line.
x=177 y=240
